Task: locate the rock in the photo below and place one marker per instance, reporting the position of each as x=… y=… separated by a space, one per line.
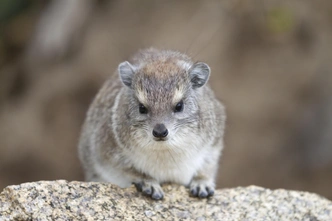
x=62 y=200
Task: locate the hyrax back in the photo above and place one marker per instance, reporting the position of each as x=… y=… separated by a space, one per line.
x=155 y=121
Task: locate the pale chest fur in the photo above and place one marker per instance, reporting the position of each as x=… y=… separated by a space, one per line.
x=176 y=164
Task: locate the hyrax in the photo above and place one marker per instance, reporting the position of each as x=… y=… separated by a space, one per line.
x=155 y=121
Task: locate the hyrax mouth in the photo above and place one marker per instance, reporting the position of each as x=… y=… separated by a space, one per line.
x=160 y=139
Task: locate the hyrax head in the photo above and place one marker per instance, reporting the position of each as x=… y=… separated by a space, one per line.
x=162 y=95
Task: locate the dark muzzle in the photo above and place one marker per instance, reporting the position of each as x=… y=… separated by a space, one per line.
x=160 y=131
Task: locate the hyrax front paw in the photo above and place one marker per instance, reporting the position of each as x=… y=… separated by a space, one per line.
x=201 y=188
x=150 y=188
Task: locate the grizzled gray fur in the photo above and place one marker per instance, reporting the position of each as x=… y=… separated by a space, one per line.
x=155 y=121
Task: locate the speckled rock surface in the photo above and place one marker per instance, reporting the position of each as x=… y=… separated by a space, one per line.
x=62 y=200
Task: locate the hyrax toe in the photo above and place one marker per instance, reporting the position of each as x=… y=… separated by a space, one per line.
x=157 y=194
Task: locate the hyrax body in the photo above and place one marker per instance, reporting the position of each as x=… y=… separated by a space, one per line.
x=155 y=121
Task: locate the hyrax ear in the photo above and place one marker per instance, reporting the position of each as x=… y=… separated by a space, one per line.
x=126 y=72
x=199 y=74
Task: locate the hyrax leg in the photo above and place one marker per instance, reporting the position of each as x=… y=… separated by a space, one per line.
x=203 y=183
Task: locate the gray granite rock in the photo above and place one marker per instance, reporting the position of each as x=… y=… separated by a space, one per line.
x=62 y=200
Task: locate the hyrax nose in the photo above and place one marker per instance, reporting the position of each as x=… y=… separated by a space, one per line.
x=160 y=131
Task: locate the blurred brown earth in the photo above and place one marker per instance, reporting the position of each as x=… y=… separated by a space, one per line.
x=271 y=66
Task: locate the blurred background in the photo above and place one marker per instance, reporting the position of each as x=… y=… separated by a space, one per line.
x=271 y=65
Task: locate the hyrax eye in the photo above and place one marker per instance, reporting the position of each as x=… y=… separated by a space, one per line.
x=179 y=107
x=143 y=109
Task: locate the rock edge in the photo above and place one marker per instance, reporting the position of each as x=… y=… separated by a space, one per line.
x=62 y=200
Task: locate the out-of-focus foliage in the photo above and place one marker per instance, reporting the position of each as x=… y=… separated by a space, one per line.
x=280 y=20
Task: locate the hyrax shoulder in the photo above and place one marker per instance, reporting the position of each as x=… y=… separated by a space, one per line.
x=156 y=120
